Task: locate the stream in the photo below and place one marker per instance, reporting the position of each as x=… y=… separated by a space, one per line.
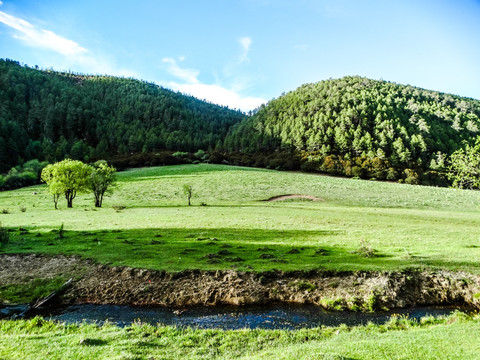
x=279 y=316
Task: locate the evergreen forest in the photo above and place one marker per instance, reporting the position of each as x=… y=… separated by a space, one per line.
x=48 y=115
x=351 y=126
x=355 y=126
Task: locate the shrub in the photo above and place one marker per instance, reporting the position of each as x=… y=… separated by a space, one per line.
x=180 y=154
x=357 y=172
x=23 y=209
x=366 y=250
x=118 y=208
x=411 y=177
x=310 y=166
x=61 y=232
x=216 y=157
x=4 y=237
x=392 y=174
x=200 y=155
x=5 y=211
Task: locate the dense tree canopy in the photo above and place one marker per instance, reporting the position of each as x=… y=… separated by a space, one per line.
x=47 y=115
x=464 y=168
x=352 y=125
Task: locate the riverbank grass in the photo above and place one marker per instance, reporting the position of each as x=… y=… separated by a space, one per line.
x=454 y=337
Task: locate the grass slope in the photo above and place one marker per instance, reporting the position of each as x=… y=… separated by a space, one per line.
x=408 y=226
x=454 y=337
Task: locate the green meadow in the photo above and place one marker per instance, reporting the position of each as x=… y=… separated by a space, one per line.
x=357 y=224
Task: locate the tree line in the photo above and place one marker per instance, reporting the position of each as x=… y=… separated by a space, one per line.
x=351 y=126
x=48 y=115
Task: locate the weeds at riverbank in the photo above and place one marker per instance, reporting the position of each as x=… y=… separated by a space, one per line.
x=31 y=339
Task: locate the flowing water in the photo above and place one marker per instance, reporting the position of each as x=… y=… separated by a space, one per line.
x=229 y=317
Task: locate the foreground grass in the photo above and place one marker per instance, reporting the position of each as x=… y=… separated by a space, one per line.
x=407 y=226
x=453 y=337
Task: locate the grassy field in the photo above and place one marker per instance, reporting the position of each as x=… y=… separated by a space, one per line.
x=229 y=226
x=147 y=223
x=454 y=337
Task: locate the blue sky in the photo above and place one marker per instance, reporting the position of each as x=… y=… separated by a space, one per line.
x=245 y=52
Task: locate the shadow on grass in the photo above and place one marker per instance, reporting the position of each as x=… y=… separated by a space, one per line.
x=175 y=249
x=179 y=171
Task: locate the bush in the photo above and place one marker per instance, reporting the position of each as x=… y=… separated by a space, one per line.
x=310 y=166
x=392 y=174
x=180 y=154
x=216 y=157
x=4 y=237
x=357 y=172
x=366 y=250
x=411 y=177
x=61 y=232
x=34 y=166
x=15 y=179
x=200 y=155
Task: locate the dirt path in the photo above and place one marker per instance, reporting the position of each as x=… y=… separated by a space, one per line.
x=349 y=290
x=294 y=196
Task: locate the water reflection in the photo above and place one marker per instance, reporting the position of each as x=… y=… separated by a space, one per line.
x=229 y=317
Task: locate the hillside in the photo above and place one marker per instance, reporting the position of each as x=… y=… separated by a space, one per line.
x=360 y=127
x=46 y=115
x=351 y=126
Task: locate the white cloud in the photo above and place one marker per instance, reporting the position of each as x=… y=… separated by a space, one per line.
x=213 y=93
x=74 y=55
x=41 y=38
x=188 y=75
x=218 y=95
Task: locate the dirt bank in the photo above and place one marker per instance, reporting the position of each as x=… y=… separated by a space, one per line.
x=358 y=290
x=293 y=197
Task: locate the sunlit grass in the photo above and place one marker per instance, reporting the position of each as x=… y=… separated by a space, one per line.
x=408 y=226
x=453 y=337
x=146 y=223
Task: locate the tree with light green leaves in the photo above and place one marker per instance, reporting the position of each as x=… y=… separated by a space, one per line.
x=68 y=177
x=464 y=169
x=102 y=180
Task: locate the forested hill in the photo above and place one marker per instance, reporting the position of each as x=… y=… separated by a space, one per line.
x=47 y=115
x=351 y=126
x=361 y=127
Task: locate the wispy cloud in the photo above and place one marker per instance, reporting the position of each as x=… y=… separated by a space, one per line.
x=188 y=75
x=73 y=54
x=214 y=93
x=245 y=42
x=41 y=38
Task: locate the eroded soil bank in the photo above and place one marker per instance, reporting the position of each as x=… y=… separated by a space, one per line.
x=101 y=284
